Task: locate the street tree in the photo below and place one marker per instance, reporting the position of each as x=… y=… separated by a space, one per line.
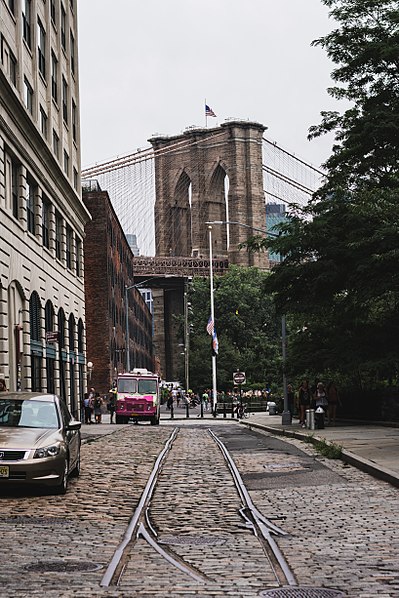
x=247 y=327
x=340 y=276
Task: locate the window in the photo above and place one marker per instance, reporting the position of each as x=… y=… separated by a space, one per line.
x=41 y=48
x=56 y=144
x=46 y=222
x=58 y=235
x=65 y=100
x=72 y=52
x=69 y=240
x=78 y=254
x=63 y=27
x=9 y=61
x=14 y=187
x=11 y=184
x=66 y=163
x=43 y=123
x=75 y=179
x=28 y=96
x=74 y=121
x=30 y=204
x=53 y=11
x=26 y=21
x=13 y=69
x=11 y=6
x=54 y=77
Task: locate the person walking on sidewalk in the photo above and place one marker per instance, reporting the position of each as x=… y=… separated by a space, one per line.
x=320 y=398
x=304 y=396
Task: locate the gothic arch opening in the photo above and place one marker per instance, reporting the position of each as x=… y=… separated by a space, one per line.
x=180 y=217
x=217 y=208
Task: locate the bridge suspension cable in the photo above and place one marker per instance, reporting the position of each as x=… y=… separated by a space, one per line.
x=289 y=183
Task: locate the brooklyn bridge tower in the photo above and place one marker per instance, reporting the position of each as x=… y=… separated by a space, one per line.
x=209 y=175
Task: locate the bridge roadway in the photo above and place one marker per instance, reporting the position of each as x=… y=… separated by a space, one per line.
x=341 y=523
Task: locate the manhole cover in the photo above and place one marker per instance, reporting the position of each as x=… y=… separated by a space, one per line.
x=63 y=566
x=299 y=592
x=194 y=540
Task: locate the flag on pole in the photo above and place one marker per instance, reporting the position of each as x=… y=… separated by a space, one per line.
x=210 y=326
x=215 y=343
x=209 y=111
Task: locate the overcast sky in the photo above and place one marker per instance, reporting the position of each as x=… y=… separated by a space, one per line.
x=146 y=66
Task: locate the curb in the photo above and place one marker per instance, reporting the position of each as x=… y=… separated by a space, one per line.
x=346 y=456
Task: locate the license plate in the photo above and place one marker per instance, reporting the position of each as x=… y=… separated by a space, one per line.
x=4 y=471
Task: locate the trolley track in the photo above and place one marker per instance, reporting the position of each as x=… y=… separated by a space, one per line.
x=142 y=526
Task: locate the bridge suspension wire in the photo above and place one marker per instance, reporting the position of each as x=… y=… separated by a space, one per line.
x=289 y=183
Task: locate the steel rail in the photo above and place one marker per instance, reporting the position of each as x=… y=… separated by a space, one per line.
x=118 y=554
x=266 y=527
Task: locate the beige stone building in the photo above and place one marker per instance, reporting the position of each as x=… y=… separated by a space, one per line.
x=42 y=216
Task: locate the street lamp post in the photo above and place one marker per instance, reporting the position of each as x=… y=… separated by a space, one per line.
x=286 y=418
x=214 y=385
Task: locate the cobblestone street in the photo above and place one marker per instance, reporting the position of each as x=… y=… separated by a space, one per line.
x=341 y=524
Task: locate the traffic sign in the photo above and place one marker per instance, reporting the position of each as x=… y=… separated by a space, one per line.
x=239 y=377
x=52 y=336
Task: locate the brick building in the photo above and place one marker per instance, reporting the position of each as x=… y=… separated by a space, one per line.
x=109 y=264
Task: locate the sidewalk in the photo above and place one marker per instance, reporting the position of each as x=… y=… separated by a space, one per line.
x=373 y=448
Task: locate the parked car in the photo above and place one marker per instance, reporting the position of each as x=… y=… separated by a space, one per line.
x=39 y=440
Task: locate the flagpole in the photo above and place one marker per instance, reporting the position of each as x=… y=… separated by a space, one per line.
x=214 y=390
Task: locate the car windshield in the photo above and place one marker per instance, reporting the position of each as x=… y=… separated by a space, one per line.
x=147 y=387
x=28 y=414
x=127 y=385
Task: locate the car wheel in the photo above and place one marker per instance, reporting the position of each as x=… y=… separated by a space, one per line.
x=62 y=487
x=119 y=419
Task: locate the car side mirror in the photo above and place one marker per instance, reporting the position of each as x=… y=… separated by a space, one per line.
x=74 y=425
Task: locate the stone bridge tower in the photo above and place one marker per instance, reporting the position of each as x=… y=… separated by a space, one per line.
x=205 y=175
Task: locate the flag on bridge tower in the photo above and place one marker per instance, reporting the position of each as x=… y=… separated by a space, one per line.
x=209 y=111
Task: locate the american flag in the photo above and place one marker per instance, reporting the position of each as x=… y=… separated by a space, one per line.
x=209 y=111
x=215 y=343
x=210 y=326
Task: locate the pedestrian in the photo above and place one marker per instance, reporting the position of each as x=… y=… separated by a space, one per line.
x=333 y=400
x=170 y=401
x=320 y=397
x=92 y=396
x=97 y=408
x=111 y=406
x=304 y=396
x=205 y=400
x=87 y=408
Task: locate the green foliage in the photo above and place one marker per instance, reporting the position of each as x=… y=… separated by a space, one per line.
x=328 y=449
x=247 y=327
x=339 y=280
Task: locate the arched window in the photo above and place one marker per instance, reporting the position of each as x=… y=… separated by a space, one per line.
x=50 y=348
x=36 y=348
x=61 y=340
x=34 y=313
x=71 y=332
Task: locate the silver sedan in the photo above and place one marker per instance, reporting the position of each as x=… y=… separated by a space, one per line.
x=39 y=440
